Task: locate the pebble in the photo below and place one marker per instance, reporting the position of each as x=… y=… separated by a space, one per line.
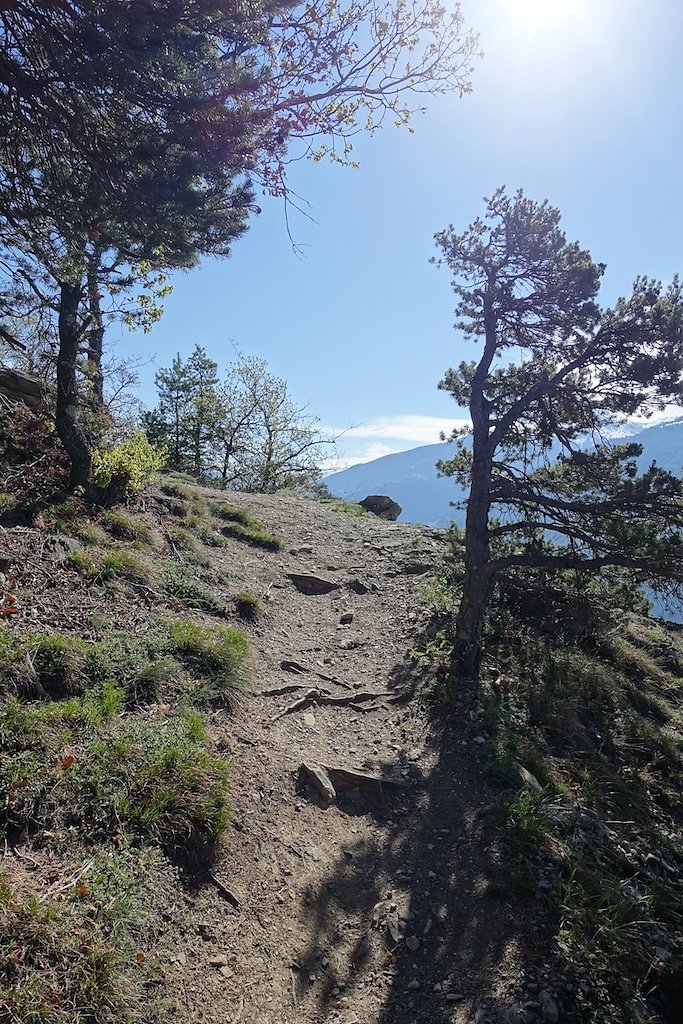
x=454 y=997
x=346 y=619
x=438 y=987
x=413 y=985
x=220 y=960
x=413 y=943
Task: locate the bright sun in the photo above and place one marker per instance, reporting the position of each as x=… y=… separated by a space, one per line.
x=545 y=12
x=536 y=18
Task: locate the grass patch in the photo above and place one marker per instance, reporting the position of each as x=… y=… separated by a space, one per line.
x=75 y=954
x=349 y=508
x=248 y=605
x=216 y=657
x=85 y=771
x=175 y=490
x=598 y=723
x=242 y=525
x=125 y=527
x=204 y=531
x=182 y=586
x=118 y=564
x=125 y=565
x=184 y=540
x=84 y=565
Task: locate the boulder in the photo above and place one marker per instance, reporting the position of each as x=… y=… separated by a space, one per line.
x=381 y=505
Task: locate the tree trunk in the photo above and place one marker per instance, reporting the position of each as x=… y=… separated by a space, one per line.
x=72 y=437
x=478 y=580
x=95 y=334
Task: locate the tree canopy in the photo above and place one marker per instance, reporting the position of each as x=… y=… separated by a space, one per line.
x=133 y=135
x=549 y=488
x=244 y=431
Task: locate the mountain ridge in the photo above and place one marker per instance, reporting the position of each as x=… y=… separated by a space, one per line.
x=411 y=478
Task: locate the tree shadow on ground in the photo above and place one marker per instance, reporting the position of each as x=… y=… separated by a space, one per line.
x=415 y=926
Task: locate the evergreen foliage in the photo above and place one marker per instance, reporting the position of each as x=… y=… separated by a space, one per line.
x=129 y=139
x=548 y=489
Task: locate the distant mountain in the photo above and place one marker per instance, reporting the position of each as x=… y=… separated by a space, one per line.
x=410 y=478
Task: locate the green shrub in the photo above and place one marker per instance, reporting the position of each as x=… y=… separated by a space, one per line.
x=129 y=465
x=216 y=658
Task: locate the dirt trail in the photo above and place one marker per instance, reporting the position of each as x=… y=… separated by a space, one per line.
x=380 y=908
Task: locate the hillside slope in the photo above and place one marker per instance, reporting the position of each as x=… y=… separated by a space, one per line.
x=389 y=904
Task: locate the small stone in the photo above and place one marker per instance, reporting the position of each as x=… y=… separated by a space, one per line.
x=226 y=971
x=479 y=739
x=413 y=985
x=220 y=960
x=437 y=987
x=346 y=619
x=314 y=854
x=413 y=943
x=454 y=997
x=309 y=719
x=348 y=645
x=407 y=915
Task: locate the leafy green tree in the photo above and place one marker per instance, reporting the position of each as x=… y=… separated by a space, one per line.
x=287 y=446
x=548 y=490
x=244 y=431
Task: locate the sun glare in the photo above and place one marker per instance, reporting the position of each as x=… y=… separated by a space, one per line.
x=539 y=15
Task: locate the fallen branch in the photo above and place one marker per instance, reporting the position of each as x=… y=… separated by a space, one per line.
x=224 y=891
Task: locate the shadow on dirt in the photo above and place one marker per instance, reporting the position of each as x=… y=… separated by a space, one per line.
x=417 y=928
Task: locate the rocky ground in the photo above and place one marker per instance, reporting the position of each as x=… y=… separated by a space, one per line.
x=381 y=904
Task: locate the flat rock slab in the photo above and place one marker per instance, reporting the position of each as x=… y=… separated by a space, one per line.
x=312 y=585
x=317 y=777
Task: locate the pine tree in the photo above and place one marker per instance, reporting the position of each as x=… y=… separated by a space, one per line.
x=548 y=490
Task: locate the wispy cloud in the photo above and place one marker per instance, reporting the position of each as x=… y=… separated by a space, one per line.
x=386 y=435
x=407 y=428
x=362 y=453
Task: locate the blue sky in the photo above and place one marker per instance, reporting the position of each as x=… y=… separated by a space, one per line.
x=577 y=101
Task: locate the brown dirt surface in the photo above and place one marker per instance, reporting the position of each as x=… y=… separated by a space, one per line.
x=385 y=906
